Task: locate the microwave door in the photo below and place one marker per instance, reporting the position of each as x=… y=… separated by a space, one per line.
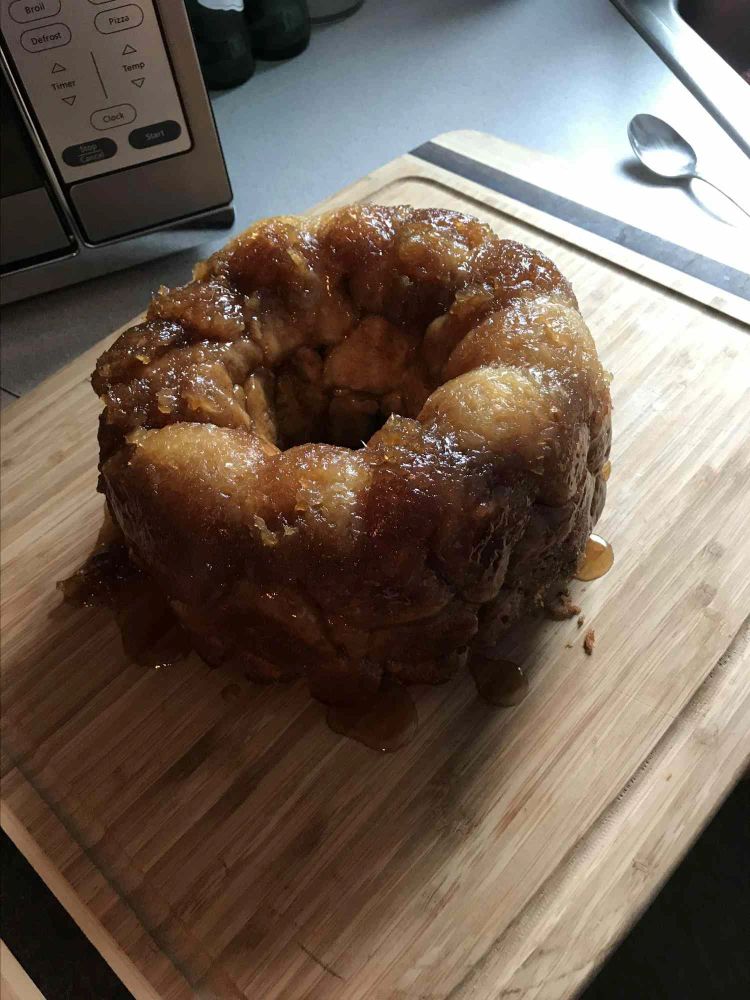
x=31 y=228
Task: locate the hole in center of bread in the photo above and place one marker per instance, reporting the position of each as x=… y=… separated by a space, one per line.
x=342 y=393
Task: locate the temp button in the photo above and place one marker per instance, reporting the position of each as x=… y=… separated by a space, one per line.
x=154 y=135
x=118 y=114
x=84 y=153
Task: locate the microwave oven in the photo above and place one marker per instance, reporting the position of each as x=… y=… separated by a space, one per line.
x=110 y=154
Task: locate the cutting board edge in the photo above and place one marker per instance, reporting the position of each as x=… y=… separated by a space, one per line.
x=559 y=177
x=49 y=871
x=579 y=863
x=688 y=732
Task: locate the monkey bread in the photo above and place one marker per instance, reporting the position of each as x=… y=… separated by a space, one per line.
x=356 y=446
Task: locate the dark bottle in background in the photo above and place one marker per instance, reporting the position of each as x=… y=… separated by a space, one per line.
x=279 y=29
x=222 y=39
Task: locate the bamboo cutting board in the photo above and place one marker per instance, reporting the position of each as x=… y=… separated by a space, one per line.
x=223 y=843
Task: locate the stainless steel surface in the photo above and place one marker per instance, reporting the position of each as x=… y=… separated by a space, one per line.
x=19 y=240
x=191 y=189
x=666 y=153
x=717 y=86
x=85 y=262
x=541 y=73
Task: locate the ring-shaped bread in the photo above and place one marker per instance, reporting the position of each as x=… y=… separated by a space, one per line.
x=356 y=445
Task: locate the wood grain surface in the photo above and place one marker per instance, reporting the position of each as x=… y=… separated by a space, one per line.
x=221 y=842
x=14 y=983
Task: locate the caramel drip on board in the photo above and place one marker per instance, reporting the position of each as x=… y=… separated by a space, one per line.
x=597 y=559
x=499 y=682
x=386 y=723
x=109 y=579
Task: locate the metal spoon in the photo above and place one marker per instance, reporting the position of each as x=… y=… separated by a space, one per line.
x=665 y=152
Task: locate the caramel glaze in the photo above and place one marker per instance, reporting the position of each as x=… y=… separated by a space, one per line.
x=598 y=558
x=150 y=633
x=499 y=682
x=386 y=722
x=355 y=444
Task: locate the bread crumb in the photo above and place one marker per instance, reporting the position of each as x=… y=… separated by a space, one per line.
x=560 y=607
x=588 y=642
x=581 y=620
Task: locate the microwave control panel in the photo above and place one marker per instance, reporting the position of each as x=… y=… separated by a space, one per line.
x=98 y=80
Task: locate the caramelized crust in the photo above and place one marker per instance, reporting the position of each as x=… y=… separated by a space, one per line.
x=358 y=444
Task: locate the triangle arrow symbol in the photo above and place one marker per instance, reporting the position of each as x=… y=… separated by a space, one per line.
x=138 y=81
x=70 y=100
x=128 y=50
x=58 y=68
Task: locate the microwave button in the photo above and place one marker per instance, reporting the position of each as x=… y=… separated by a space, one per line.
x=154 y=135
x=118 y=19
x=84 y=153
x=51 y=36
x=118 y=114
x=33 y=10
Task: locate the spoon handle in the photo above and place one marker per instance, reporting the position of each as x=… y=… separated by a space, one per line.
x=706 y=180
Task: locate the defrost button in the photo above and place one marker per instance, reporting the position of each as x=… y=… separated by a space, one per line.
x=51 y=36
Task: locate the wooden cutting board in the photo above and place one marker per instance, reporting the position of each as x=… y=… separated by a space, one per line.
x=216 y=841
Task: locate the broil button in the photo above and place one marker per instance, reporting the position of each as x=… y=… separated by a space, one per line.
x=36 y=10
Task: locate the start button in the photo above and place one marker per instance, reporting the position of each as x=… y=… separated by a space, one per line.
x=154 y=135
x=118 y=114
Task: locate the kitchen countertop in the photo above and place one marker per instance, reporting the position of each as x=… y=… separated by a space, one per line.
x=561 y=78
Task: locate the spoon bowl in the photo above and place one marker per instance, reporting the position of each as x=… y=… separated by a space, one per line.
x=661 y=148
x=663 y=151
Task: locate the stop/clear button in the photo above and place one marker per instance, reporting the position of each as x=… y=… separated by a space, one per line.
x=154 y=135
x=118 y=114
x=84 y=153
